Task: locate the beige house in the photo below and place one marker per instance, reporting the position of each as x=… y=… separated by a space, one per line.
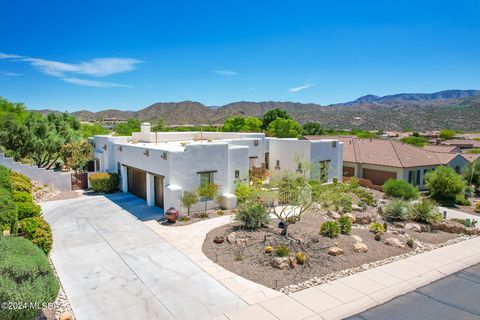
x=378 y=160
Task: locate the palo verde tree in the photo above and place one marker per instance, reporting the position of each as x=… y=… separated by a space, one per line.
x=208 y=191
x=76 y=154
x=188 y=200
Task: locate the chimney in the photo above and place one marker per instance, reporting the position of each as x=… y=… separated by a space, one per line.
x=145 y=127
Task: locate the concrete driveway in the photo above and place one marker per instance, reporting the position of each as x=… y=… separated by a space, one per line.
x=114 y=267
x=451 y=298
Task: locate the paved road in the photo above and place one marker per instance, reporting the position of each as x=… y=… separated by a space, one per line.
x=114 y=267
x=454 y=297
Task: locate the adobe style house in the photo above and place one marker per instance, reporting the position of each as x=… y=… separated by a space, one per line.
x=160 y=166
x=378 y=160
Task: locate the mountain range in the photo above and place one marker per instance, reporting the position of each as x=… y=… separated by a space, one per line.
x=453 y=109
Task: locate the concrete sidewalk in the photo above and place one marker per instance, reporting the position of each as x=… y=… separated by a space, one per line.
x=113 y=267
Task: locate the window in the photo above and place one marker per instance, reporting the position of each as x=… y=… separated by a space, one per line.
x=334 y=144
x=425 y=171
x=299 y=168
x=237 y=174
x=255 y=143
x=277 y=165
x=414 y=177
x=97 y=164
x=119 y=169
x=206 y=177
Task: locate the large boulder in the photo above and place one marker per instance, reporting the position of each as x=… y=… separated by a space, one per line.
x=281 y=263
x=394 y=242
x=413 y=227
x=360 y=247
x=335 y=251
x=350 y=216
x=233 y=238
x=333 y=214
x=363 y=218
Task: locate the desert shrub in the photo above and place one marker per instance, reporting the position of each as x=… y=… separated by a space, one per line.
x=188 y=199
x=22 y=196
x=345 y=225
x=8 y=211
x=377 y=228
x=282 y=251
x=425 y=211
x=444 y=184
x=462 y=201
x=103 y=182
x=5 y=179
x=28 y=210
x=397 y=210
x=400 y=189
x=21 y=182
x=252 y=215
x=244 y=192
x=37 y=230
x=329 y=229
x=25 y=277
x=366 y=196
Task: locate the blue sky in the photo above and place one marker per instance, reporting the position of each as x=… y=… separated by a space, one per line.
x=72 y=55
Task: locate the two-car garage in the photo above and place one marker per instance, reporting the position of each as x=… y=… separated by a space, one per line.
x=137 y=185
x=378 y=177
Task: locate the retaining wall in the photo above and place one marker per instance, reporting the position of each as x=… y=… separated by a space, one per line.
x=60 y=180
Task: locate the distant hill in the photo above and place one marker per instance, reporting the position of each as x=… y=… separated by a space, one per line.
x=454 y=109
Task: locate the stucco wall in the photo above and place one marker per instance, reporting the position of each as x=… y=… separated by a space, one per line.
x=60 y=180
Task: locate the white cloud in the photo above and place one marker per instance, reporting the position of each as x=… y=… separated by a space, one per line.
x=98 y=67
x=95 y=83
x=10 y=74
x=225 y=72
x=300 y=88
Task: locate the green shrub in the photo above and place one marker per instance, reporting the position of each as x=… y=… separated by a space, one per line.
x=345 y=225
x=329 y=229
x=377 y=228
x=282 y=251
x=253 y=215
x=25 y=277
x=425 y=211
x=400 y=189
x=366 y=196
x=397 y=210
x=38 y=231
x=5 y=179
x=28 y=210
x=477 y=207
x=22 y=196
x=103 y=182
x=244 y=192
x=21 y=182
x=444 y=184
x=462 y=201
x=8 y=211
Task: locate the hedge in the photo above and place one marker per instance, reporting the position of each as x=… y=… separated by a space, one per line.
x=21 y=182
x=38 y=231
x=103 y=182
x=28 y=210
x=8 y=212
x=5 y=179
x=25 y=277
x=400 y=189
x=22 y=196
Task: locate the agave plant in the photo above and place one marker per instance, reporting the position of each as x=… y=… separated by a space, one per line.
x=425 y=211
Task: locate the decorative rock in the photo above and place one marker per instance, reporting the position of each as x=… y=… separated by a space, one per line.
x=398 y=224
x=425 y=228
x=293 y=262
x=413 y=227
x=281 y=263
x=335 y=251
x=363 y=218
x=360 y=247
x=66 y=316
x=241 y=242
x=351 y=217
x=451 y=226
x=231 y=237
x=357 y=238
x=394 y=242
x=358 y=208
x=333 y=214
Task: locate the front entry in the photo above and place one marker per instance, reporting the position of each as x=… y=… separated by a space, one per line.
x=137 y=182
x=158 y=186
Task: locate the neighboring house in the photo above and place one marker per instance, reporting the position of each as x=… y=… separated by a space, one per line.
x=442 y=148
x=379 y=160
x=462 y=143
x=160 y=166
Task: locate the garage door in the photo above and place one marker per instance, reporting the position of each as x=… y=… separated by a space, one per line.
x=348 y=171
x=137 y=182
x=378 y=177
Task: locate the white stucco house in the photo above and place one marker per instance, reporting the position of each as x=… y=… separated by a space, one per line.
x=160 y=166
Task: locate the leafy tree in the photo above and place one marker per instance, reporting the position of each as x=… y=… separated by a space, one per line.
x=272 y=115
x=16 y=110
x=90 y=130
x=188 y=200
x=447 y=134
x=159 y=125
x=444 y=184
x=284 y=128
x=76 y=154
x=208 y=191
x=127 y=128
x=471 y=173
x=241 y=124
x=415 y=141
x=313 y=128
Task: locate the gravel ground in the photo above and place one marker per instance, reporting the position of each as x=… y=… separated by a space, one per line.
x=252 y=263
x=65 y=195
x=196 y=217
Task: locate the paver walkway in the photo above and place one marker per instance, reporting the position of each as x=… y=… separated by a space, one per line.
x=113 y=267
x=453 y=297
